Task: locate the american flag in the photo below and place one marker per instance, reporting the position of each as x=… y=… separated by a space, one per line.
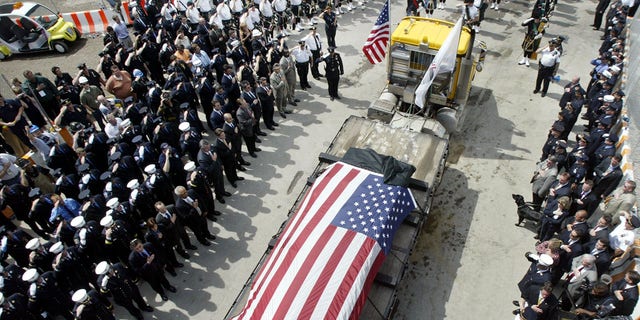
x=376 y=46
x=330 y=251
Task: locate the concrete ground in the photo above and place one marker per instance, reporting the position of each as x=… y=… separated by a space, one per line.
x=470 y=256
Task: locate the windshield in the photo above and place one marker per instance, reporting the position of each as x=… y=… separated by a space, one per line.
x=43 y=16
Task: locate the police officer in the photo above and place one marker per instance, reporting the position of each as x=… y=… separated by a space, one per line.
x=71 y=267
x=141 y=200
x=40 y=258
x=90 y=306
x=116 y=238
x=159 y=184
x=314 y=43
x=332 y=70
x=45 y=294
x=115 y=280
x=548 y=66
x=14 y=307
x=189 y=140
x=303 y=56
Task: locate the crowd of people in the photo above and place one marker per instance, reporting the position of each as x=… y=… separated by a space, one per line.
x=587 y=217
x=108 y=199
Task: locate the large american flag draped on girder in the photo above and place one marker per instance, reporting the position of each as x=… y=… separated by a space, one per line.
x=375 y=48
x=330 y=251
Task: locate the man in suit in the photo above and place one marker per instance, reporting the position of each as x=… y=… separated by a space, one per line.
x=571 y=248
x=172 y=227
x=246 y=122
x=142 y=260
x=206 y=92
x=254 y=104
x=265 y=94
x=584 y=198
x=600 y=250
x=187 y=208
x=227 y=157
x=607 y=175
x=584 y=272
x=280 y=89
x=233 y=137
x=626 y=294
x=230 y=85
x=216 y=118
x=538 y=303
x=622 y=200
x=542 y=179
x=576 y=222
x=208 y=162
x=559 y=188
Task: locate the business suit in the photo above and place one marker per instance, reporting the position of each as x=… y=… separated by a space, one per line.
x=213 y=171
x=173 y=230
x=246 y=121
x=280 y=88
x=265 y=94
x=232 y=133
x=151 y=272
x=605 y=182
x=217 y=119
x=227 y=158
x=588 y=201
x=192 y=218
x=583 y=275
x=548 y=305
x=254 y=104
x=205 y=93
x=630 y=295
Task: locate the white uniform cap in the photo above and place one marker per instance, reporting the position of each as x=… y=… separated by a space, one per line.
x=614 y=68
x=109 y=212
x=83 y=80
x=150 y=169
x=80 y=296
x=125 y=123
x=608 y=98
x=33 y=244
x=190 y=166
x=184 y=127
x=107 y=221
x=86 y=178
x=78 y=222
x=545 y=260
x=30 y=275
x=256 y=33
x=606 y=74
x=113 y=203
x=133 y=184
x=108 y=187
x=56 y=247
x=102 y=268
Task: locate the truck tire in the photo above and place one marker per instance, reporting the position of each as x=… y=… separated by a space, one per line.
x=59 y=46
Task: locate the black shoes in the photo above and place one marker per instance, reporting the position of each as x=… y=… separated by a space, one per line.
x=282 y=114
x=275 y=124
x=164 y=297
x=543 y=94
x=271 y=128
x=258 y=140
x=293 y=103
x=217 y=213
x=516 y=303
x=241 y=168
x=172 y=289
x=178 y=265
x=172 y=273
x=205 y=243
x=226 y=194
x=233 y=184
x=210 y=237
x=331 y=98
x=261 y=133
x=190 y=247
x=257 y=150
x=184 y=254
x=239 y=178
x=253 y=155
x=536 y=91
x=212 y=218
x=245 y=163
x=288 y=111
x=221 y=200
x=147 y=308
x=516 y=312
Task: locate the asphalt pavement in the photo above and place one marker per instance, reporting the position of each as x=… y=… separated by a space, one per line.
x=470 y=256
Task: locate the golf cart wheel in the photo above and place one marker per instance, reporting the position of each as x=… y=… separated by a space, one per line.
x=60 y=46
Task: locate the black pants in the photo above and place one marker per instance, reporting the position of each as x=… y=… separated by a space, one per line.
x=314 y=66
x=267 y=114
x=331 y=36
x=127 y=302
x=544 y=76
x=303 y=72
x=250 y=141
x=597 y=19
x=333 y=82
x=158 y=281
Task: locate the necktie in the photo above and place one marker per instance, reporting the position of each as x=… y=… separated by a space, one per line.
x=315 y=38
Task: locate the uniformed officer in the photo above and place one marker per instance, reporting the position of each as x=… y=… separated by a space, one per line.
x=197 y=181
x=548 y=66
x=90 y=306
x=159 y=184
x=45 y=295
x=314 y=43
x=115 y=280
x=607 y=149
x=303 y=56
x=12 y=275
x=189 y=140
x=333 y=69
x=40 y=258
x=71 y=267
x=141 y=200
x=116 y=238
x=14 y=307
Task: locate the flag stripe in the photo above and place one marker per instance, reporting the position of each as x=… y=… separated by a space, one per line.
x=319 y=274
x=312 y=195
x=274 y=276
x=355 y=312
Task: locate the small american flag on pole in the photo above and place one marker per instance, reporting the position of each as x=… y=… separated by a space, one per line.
x=330 y=251
x=375 y=48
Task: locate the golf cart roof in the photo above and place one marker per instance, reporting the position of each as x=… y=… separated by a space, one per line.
x=18 y=8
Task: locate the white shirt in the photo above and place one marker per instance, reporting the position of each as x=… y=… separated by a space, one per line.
x=201 y=57
x=280 y=5
x=266 y=9
x=549 y=58
x=113 y=131
x=204 y=5
x=223 y=11
x=473 y=12
x=296 y=2
x=193 y=15
x=181 y=5
x=621 y=238
x=167 y=10
x=13 y=170
x=215 y=19
x=311 y=42
x=236 y=6
x=301 y=54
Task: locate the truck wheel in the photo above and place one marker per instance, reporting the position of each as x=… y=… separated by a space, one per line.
x=60 y=46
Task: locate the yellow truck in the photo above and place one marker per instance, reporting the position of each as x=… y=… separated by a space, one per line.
x=413 y=47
